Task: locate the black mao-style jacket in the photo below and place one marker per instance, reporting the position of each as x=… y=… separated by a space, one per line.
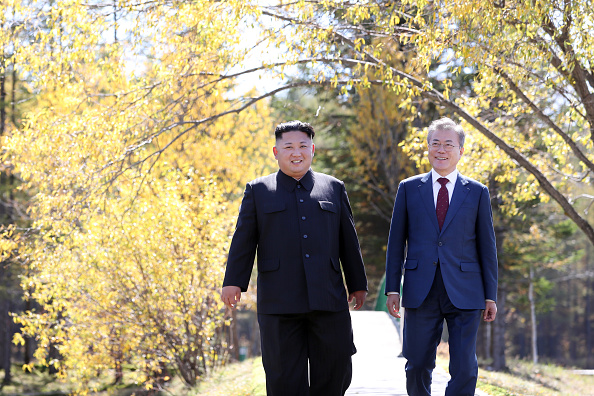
x=304 y=238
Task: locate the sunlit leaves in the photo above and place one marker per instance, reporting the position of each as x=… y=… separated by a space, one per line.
x=134 y=177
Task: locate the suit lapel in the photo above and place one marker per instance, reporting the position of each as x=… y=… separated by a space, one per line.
x=460 y=194
x=426 y=191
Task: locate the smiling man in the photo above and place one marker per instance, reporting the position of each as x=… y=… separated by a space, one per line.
x=300 y=225
x=442 y=240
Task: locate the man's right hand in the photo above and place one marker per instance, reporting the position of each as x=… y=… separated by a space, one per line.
x=393 y=305
x=231 y=296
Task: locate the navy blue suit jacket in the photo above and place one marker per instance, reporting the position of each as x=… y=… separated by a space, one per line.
x=301 y=236
x=464 y=248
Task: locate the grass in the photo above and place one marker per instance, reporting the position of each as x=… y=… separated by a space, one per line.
x=247 y=379
x=237 y=379
x=524 y=378
x=38 y=381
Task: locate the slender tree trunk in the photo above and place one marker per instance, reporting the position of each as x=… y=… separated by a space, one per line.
x=488 y=341
x=115 y=21
x=499 y=361
x=533 y=317
x=6 y=335
x=498 y=326
x=2 y=98
x=255 y=337
x=27 y=354
x=234 y=336
x=119 y=372
x=573 y=316
x=588 y=308
x=13 y=97
x=53 y=354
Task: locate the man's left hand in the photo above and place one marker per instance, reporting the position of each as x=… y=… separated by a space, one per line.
x=490 y=311
x=359 y=297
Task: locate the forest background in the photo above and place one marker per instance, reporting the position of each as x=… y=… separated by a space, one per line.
x=129 y=128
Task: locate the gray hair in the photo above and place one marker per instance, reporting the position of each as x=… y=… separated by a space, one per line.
x=446 y=124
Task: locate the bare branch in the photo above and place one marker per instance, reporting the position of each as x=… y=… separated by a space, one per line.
x=585 y=196
x=576 y=74
x=573 y=145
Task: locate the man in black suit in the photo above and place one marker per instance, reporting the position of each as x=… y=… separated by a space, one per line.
x=300 y=224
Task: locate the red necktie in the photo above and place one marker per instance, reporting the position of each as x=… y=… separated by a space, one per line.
x=443 y=201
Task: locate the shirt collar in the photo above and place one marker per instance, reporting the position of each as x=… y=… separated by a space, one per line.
x=289 y=183
x=452 y=177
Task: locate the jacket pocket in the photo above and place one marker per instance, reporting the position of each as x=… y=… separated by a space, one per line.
x=268 y=265
x=328 y=206
x=411 y=264
x=470 y=267
x=335 y=264
x=274 y=207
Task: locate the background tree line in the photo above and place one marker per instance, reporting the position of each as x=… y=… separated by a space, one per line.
x=128 y=132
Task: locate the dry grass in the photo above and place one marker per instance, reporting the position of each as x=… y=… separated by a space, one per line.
x=526 y=379
x=236 y=379
x=247 y=379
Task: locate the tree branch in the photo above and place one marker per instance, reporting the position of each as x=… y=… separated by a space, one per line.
x=573 y=145
x=577 y=75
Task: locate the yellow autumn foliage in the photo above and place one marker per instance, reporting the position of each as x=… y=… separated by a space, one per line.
x=134 y=178
x=136 y=128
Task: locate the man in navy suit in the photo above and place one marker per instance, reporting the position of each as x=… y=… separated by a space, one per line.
x=300 y=225
x=442 y=240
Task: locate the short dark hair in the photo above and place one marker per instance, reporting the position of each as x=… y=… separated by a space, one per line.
x=446 y=124
x=291 y=126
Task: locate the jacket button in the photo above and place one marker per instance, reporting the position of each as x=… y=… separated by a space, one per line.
x=440 y=243
x=301 y=200
x=435 y=263
x=305 y=236
x=302 y=217
x=306 y=255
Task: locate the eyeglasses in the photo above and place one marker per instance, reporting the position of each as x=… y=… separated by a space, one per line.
x=447 y=146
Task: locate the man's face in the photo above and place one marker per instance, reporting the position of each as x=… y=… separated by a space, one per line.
x=294 y=152
x=443 y=161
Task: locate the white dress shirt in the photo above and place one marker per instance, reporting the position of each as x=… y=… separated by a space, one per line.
x=452 y=177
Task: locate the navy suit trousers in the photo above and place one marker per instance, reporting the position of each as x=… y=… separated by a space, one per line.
x=423 y=327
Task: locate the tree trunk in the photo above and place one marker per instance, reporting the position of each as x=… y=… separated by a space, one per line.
x=13 y=97
x=53 y=354
x=234 y=336
x=498 y=326
x=533 y=317
x=115 y=21
x=588 y=308
x=2 y=98
x=573 y=316
x=6 y=340
x=488 y=342
x=28 y=343
x=119 y=372
x=499 y=361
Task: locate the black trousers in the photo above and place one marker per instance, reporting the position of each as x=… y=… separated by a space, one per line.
x=290 y=341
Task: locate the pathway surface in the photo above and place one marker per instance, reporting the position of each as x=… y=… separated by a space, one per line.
x=377 y=369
